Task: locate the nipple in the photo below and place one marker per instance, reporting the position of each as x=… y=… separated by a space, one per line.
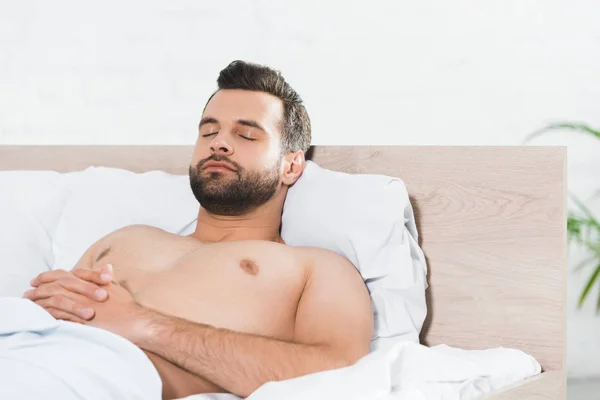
x=249 y=266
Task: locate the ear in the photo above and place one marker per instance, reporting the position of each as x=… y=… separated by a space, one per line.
x=293 y=166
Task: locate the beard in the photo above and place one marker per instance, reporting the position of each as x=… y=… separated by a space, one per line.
x=235 y=195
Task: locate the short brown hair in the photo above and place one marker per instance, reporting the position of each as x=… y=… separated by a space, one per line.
x=295 y=124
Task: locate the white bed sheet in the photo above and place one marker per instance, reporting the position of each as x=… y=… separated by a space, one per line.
x=406 y=371
x=44 y=358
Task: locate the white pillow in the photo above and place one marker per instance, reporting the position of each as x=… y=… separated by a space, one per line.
x=106 y=199
x=368 y=219
x=30 y=206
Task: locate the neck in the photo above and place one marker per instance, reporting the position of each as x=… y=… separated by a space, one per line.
x=261 y=223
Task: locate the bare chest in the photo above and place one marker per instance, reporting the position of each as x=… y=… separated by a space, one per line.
x=248 y=286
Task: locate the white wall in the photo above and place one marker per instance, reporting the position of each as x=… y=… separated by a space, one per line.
x=462 y=72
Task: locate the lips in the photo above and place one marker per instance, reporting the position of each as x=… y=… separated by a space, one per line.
x=217 y=165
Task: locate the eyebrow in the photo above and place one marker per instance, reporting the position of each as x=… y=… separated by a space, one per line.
x=245 y=122
x=207 y=120
x=249 y=122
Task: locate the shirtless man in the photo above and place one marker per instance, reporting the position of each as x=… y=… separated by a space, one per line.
x=230 y=306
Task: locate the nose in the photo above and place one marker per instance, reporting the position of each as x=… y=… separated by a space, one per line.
x=220 y=146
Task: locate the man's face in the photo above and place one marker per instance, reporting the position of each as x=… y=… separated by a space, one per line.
x=236 y=165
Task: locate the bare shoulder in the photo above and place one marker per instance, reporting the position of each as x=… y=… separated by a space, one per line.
x=325 y=262
x=133 y=232
x=319 y=255
x=129 y=235
x=124 y=236
x=335 y=306
x=137 y=230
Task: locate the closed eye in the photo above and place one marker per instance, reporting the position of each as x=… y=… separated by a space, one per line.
x=209 y=134
x=247 y=138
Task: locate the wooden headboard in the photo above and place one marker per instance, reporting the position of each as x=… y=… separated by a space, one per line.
x=492 y=224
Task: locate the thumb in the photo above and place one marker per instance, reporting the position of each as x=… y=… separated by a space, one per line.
x=105 y=269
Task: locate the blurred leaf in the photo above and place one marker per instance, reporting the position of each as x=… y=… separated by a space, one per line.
x=566 y=125
x=574 y=228
x=583 y=263
x=583 y=231
x=586 y=210
x=589 y=285
x=586 y=231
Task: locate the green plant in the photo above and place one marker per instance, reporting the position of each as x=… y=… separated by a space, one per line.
x=583 y=228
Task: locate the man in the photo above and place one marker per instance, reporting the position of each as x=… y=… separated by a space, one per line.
x=230 y=306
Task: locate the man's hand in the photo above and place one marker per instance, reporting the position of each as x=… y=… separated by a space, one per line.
x=68 y=294
x=89 y=297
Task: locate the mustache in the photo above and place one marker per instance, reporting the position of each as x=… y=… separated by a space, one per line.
x=219 y=158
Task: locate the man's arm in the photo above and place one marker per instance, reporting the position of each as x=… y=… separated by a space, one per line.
x=334 y=325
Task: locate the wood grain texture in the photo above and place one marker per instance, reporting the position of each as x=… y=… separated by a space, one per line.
x=550 y=385
x=492 y=224
x=171 y=159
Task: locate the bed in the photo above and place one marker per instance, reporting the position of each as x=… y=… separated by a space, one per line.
x=506 y=205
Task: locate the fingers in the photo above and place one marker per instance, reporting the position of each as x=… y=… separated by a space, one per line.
x=64 y=308
x=99 y=276
x=66 y=286
x=107 y=269
x=47 y=277
x=58 y=314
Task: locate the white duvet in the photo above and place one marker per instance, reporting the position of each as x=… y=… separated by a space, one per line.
x=407 y=371
x=41 y=357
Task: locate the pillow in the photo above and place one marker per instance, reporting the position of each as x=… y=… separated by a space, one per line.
x=369 y=220
x=30 y=207
x=106 y=199
x=366 y=218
